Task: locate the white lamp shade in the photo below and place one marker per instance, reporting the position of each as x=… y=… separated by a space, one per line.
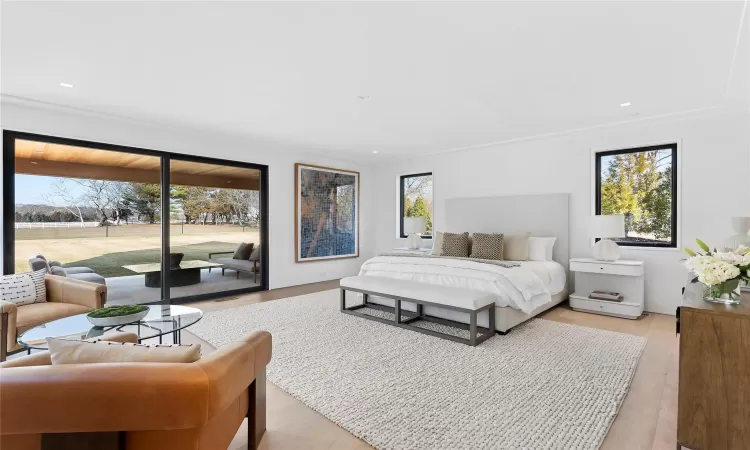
x=413 y=225
x=612 y=226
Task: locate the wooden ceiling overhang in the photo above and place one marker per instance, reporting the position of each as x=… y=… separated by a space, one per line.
x=55 y=160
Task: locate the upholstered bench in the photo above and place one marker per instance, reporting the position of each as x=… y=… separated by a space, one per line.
x=422 y=294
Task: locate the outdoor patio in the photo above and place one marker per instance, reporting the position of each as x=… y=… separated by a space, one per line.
x=130 y=290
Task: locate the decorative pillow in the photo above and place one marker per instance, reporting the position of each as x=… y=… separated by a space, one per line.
x=540 y=248
x=487 y=246
x=455 y=244
x=255 y=255
x=24 y=288
x=59 y=271
x=437 y=243
x=243 y=251
x=516 y=247
x=65 y=351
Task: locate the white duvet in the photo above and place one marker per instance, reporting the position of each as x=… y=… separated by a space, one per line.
x=526 y=287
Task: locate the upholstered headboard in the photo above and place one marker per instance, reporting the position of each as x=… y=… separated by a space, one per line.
x=540 y=215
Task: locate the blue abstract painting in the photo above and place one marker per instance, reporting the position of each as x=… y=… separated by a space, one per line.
x=327 y=213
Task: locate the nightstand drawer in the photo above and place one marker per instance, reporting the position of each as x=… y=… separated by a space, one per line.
x=626 y=309
x=607 y=268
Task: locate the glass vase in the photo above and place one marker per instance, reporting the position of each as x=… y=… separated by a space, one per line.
x=727 y=293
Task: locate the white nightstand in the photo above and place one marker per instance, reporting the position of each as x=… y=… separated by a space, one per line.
x=625 y=277
x=420 y=251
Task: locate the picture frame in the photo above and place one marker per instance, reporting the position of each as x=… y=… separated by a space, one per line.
x=326 y=213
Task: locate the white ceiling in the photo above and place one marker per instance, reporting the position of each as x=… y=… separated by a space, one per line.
x=439 y=76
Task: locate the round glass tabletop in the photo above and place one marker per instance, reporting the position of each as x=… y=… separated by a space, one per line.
x=161 y=320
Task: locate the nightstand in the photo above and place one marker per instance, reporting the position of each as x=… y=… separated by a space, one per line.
x=419 y=251
x=625 y=277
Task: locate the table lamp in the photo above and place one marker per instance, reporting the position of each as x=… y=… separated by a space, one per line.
x=741 y=228
x=605 y=228
x=413 y=227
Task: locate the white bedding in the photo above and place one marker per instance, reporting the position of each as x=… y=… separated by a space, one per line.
x=525 y=288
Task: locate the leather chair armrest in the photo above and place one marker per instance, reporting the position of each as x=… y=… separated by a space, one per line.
x=43 y=358
x=74 y=398
x=8 y=314
x=7 y=307
x=232 y=368
x=78 y=292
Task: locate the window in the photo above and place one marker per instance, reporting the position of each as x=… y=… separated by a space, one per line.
x=416 y=200
x=641 y=184
x=124 y=213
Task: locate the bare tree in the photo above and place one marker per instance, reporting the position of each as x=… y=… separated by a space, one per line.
x=61 y=197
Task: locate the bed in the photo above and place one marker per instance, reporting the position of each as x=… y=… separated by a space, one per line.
x=521 y=292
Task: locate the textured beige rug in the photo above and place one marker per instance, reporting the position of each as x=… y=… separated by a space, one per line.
x=546 y=385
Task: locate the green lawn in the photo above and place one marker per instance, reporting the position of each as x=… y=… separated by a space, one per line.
x=110 y=265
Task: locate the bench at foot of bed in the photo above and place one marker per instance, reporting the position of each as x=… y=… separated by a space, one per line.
x=422 y=294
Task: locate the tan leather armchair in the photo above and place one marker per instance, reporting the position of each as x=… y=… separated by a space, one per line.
x=65 y=297
x=136 y=406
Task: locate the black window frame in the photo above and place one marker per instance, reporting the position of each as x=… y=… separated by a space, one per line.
x=675 y=174
x=401 y=202
x=9 y=138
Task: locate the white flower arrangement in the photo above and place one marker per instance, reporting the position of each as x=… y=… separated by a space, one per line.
x=722 y=272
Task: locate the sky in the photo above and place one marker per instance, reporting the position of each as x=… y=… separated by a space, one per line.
x=31 y=188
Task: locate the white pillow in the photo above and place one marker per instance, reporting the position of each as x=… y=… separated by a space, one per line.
x=540 y=248
x=437 y=243
x=24 y=288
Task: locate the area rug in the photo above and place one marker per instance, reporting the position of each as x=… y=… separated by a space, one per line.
x=545 y=385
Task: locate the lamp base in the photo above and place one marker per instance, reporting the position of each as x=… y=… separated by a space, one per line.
x=414 y=241
x=606 y=250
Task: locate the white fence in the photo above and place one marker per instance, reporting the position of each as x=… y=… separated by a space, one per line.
x=56 y=225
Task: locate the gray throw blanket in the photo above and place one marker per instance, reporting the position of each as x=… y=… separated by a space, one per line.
x=506 y=264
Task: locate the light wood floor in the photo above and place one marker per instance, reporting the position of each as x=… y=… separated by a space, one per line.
x=647 y=419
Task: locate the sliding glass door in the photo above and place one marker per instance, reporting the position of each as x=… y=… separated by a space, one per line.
x=214 y=228
x=153 y=227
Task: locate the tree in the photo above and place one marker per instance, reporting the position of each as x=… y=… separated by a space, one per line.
x=144 y=199
x=639 y=186
x=420 y=209
x=62 y=197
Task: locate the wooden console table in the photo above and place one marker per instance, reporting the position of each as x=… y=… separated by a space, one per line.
x=714 y=391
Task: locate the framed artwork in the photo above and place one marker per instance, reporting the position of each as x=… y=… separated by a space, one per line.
x=326 y=213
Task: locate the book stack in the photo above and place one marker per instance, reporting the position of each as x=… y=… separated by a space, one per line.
x=607 y=296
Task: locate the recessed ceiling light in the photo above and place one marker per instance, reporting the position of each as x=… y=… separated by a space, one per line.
x=67 y=85
x=374 y=151
x=34 y=162
x=363 y=97
x=625 y=104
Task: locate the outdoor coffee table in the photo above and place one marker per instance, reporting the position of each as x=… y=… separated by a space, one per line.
x=188 y=272
x=161 y=320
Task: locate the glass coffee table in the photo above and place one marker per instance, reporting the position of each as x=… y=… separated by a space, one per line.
x=160 y=321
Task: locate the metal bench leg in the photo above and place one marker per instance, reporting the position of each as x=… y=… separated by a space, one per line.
x=343 y=299
x=397 y=309
x=364 y=298
x=491 y=324
x=473 y=328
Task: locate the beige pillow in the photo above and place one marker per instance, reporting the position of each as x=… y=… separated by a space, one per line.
x=516 y=247
x=64 y=351
x=456 y=244
x=437 y=243
x=487 y=246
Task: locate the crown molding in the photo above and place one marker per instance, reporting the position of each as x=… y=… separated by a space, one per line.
x=674 y=116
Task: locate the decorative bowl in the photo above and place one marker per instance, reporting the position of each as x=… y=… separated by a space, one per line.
x=115 y=320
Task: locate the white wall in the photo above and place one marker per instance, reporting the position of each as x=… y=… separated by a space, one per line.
x=280 y=160
x=714 y=174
